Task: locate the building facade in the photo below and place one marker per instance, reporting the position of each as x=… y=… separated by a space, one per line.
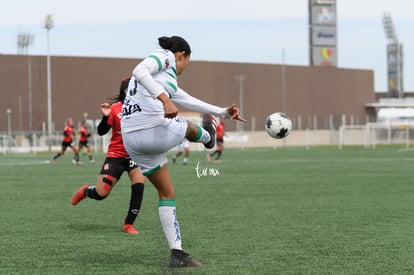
x=80 y=84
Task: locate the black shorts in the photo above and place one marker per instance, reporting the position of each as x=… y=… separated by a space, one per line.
x=219 y=141
x=83 y=144
x=115 y=167
x=65 y=145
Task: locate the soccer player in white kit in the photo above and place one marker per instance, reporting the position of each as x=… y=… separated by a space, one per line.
x=150 y=128
x=182 y=148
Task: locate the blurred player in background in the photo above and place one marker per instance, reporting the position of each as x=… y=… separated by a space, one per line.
x=68 y=139
x=116 y=163
x=183 y=148
x=220 y=132
x=83 y=140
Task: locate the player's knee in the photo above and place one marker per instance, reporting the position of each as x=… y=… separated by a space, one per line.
x=108 y=182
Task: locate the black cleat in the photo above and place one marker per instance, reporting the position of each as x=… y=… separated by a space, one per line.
x=209 y=124
x=181 y=259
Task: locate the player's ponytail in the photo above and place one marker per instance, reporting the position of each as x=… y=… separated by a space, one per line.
x=122 y=91
x=175 y=44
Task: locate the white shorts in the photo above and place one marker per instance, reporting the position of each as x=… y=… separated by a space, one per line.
x=148 y=147
x=183 y=145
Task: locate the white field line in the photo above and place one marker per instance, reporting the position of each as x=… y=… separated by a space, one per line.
x=330 y=160
x=24 y=162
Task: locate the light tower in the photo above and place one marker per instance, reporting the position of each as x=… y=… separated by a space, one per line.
x=394 y=59
x=49 y=24
x=24 y=40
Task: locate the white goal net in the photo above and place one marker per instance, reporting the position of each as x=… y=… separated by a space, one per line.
x=372 y=134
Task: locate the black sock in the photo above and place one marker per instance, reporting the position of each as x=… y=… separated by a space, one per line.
x=218 y=155
x=212 y=154
x=137 y=192
x=91 y=193
x=57 y=155
x=76 y=157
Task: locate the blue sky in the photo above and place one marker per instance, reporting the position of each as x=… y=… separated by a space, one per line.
x=230 y=31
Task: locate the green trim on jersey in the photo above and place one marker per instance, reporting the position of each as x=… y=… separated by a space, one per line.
x=158 y=61
x=172 y=85
x=175 y=71
x=172 y=75
x=167 y=202
x=169 y=95
x=152 y=171
x=198 y=136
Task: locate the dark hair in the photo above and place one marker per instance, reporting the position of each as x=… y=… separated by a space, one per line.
x=122 y=91
x=175 y=44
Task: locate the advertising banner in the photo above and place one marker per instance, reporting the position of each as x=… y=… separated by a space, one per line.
x=323 y=15
x=324 y=56
x=394 y=68
x=324 y=36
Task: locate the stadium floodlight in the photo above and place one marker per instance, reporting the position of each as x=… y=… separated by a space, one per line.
x=389 y=29
x=49 y=24
x=24 y=40
x=394 y=58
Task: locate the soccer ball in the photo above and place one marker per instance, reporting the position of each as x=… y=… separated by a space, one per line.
x=278 y=125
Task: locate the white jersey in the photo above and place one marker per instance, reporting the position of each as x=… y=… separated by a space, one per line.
x=155 y=75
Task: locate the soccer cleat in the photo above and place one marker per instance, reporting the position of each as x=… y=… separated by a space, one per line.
x=129 y=228
x=79 y=195
x=209 y=124
x=181 y=259
x=74 y=161
x=92 y=161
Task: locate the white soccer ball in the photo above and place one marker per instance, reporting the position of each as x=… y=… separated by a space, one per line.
x=278 y=125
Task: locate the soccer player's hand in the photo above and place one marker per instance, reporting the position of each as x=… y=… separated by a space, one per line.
x=170 y=111
x=106 y=109
x=234 y=113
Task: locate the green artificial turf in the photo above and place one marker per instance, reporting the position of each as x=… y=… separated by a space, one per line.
x=259 y=211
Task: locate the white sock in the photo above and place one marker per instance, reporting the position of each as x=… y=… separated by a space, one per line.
x=168 y=218
x=205 y=136
x=202 y=136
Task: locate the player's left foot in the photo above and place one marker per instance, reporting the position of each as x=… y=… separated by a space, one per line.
x=79 y=195
x=209 y=124
x=181 y=259
x=129 y=228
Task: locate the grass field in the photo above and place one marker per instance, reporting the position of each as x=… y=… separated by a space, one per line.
x=260 y=211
